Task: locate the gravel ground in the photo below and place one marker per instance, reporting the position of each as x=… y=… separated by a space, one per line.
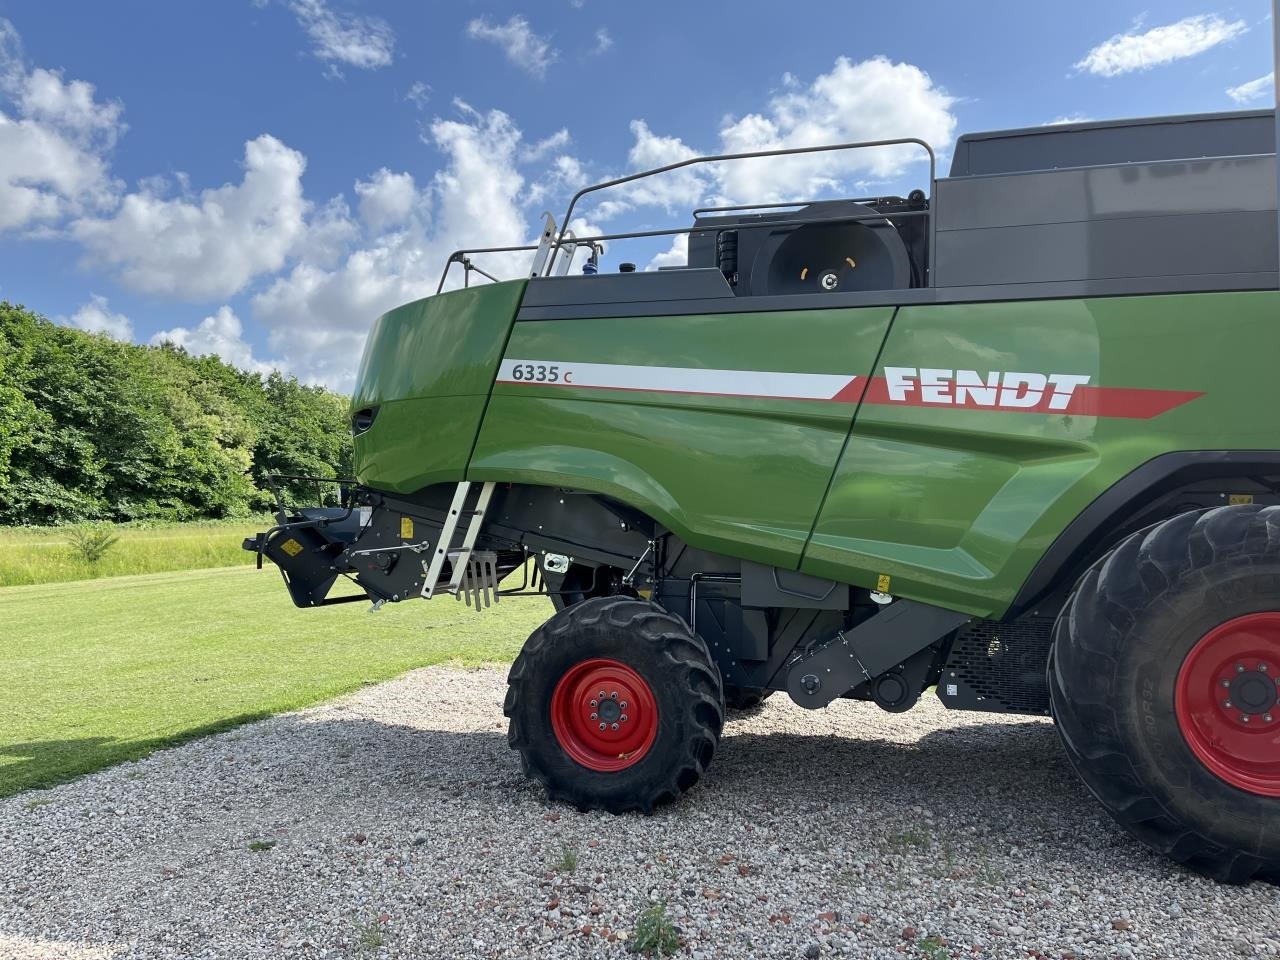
x=395 y=823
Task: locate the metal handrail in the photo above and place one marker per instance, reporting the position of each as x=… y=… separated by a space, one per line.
x=460 y=256
x=783 y=152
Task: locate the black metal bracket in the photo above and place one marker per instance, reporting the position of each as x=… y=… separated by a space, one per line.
x=875 y=646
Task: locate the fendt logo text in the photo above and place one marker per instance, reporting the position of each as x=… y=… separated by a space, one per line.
x=969 y=388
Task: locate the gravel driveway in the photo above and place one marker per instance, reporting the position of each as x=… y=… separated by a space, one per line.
x=396 y=823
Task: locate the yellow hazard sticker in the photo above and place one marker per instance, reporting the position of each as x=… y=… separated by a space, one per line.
x=291 y=547
x=1238 y=498
x=406 y=528
x=882 y=583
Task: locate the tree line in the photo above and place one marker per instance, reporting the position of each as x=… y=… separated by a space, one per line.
x=92 y=429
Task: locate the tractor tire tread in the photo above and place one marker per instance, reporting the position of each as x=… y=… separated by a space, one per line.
x=686 y=658
x=1087 y=641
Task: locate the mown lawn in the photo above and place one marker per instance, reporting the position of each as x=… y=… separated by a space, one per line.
x=100 y=671
x=45 y=554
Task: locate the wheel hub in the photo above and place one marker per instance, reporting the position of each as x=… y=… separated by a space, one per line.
x=1253 y=691
x=1228 y=702
x=604 y=714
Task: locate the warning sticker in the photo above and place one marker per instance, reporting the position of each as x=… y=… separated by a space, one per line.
x=882 y=583
x=1236 y=499
x=406 y=528
x=291 y=547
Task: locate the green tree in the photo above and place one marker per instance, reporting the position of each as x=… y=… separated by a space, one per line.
x=92 y=429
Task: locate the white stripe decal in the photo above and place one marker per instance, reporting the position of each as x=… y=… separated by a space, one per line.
x=724 y=383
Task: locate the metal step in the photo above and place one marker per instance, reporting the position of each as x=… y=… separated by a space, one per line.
x=460 y=557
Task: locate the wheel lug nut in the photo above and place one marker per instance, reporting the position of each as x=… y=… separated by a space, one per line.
x=1244 y=718
x=614 y=695
x=623 y=704
x=1239 y=668
x=1227 y=704
x=594 y=717
x=603 y=725
x=623 y=718
x=1267 y=718
x=1224 y=683
x=615 y=726
x=1263 y=667
x=601 y=694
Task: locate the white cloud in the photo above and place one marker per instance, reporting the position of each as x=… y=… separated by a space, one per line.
x=869 y=100
x=419 y=93
x=523 y=47
x=1070 y=118
x=545 y=146
x=363 y=42
x=1127 y=52
x=603 y=41
x=387 y=199
x=96 y=316
x=221 y=334
x=209 y=245
x=53 y=144
x=676 y=256
x=873 y=99
x=317 y=318
x=1253 y=90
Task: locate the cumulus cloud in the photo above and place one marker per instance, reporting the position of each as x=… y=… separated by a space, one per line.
x=96 y=316
x=221 y=334
x=387 y=199
x=317 y=318
x=676 y=256
x=1133 y=51
x=1253 y=90
x=604 y=40
x=214 y=243
x=524 y=48
x=55 y=136
x=366 y=43
x=868 y=100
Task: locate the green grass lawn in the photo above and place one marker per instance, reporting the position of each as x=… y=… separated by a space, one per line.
x=100 y=671
x=45 y=555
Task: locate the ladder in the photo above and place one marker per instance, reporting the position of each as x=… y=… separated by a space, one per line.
x=474 y=573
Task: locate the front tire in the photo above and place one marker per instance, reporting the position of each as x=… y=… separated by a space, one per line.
x=1164 y=687
x=614 y=705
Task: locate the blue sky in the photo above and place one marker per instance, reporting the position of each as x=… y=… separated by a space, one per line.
x=261 y=178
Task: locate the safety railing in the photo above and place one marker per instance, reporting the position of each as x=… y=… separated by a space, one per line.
x=554 y=240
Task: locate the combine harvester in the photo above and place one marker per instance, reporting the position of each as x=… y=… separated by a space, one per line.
x=1013 y=438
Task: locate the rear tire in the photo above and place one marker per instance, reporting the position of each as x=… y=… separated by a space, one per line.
x=636 y=750
x=1146 y=652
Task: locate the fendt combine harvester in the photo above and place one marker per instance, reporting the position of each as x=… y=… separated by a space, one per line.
x=1015 y=439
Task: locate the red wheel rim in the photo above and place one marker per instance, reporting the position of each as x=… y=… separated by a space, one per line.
x=604 y=715
x=1228 y=702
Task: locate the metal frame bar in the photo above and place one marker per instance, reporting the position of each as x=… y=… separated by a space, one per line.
x=560 y=241
x=794 y=203
x=784 y=152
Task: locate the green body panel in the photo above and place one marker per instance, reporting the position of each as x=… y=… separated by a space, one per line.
x=957 y=505
x=428 y=367
x=742 y=476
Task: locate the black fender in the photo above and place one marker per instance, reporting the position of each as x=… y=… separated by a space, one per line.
x=1131 y=503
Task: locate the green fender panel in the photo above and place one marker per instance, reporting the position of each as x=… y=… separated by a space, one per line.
x=737 y=474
